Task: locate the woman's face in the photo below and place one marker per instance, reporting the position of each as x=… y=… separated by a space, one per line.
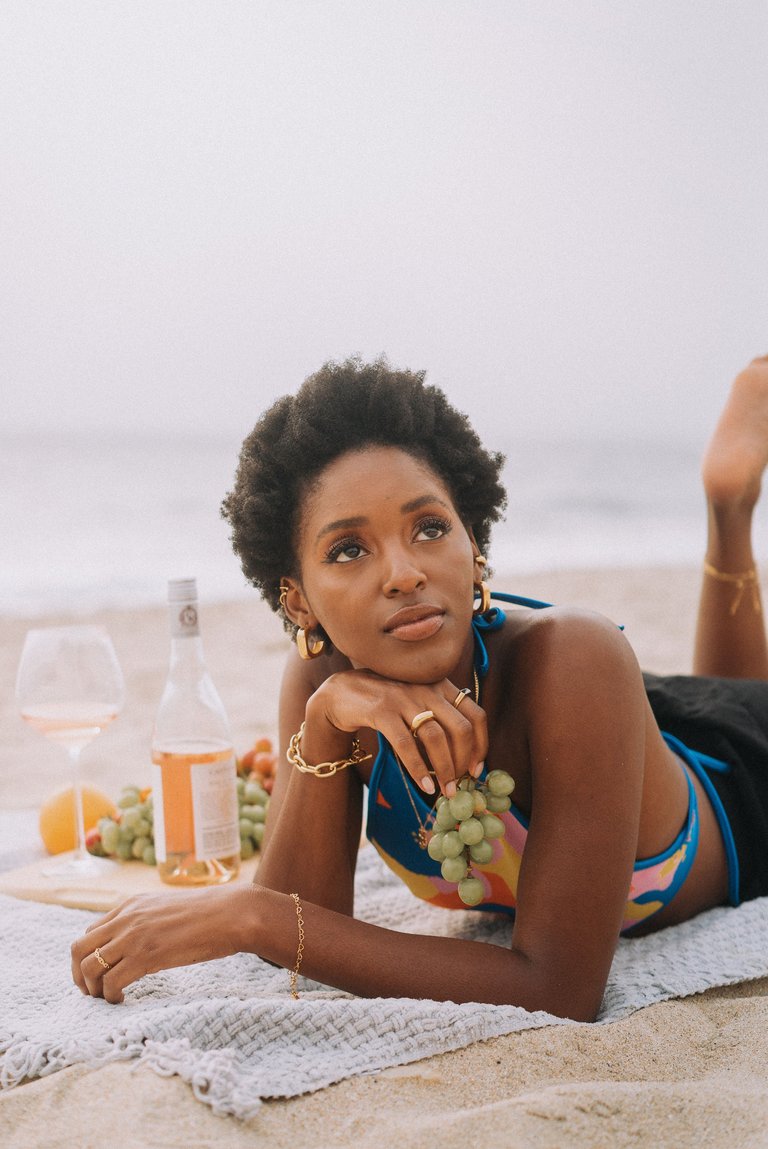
x=387 y=566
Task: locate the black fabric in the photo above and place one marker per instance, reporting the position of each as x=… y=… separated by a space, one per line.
x=726 y=718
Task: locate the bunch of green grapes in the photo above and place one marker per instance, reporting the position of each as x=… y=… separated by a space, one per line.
x=464 y=828
x=131 y=834
x=253 y=801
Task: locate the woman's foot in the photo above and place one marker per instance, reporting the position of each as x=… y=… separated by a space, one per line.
x=738 y=451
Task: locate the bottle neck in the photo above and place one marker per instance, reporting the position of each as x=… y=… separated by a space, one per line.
x=190 y=711
x=186 y=644
x=183 y=619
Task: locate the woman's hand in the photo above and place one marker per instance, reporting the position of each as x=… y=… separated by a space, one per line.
x=450 y=744
x=152 y=932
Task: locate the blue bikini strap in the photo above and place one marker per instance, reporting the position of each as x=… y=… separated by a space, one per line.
x=492 y=620
x=519 y=600
x=700 y=764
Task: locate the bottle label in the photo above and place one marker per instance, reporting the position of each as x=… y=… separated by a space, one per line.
x=195 y=806
x=158 y=810
x=184 y=622
x=215 y=809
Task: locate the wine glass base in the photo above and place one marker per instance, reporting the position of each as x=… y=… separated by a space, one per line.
x=76 y=869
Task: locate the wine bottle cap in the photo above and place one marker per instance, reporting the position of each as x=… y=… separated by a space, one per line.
x=182 y=590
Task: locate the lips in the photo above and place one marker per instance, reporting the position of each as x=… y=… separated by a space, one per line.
x=413 y=623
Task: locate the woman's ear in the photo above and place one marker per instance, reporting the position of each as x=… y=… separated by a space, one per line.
x=295 y=605
x=480 y=561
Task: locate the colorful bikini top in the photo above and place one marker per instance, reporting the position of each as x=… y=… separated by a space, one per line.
x=392 y=828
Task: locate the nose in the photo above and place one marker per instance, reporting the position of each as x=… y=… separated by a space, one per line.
x=402 y=575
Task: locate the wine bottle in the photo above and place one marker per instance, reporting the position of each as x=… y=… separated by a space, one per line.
x=194 y=770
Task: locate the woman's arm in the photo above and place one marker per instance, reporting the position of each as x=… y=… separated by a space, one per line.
x=579 y=685
x=313 y=824
x=587 y=760
x=313 y=827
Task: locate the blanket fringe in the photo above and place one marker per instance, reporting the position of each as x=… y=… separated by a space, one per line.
x=219 y=1083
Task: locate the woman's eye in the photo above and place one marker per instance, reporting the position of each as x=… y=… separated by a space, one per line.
x=433 y=529
x=345 y=552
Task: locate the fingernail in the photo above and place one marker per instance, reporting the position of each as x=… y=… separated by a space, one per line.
x=450 y=790
x=427 y=784
x=476 y=770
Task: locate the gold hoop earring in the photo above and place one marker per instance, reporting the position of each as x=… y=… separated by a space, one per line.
x=284 y=588
x=309 y=649
x=484 y=591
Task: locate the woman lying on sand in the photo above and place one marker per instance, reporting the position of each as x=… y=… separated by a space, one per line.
x=362 y=508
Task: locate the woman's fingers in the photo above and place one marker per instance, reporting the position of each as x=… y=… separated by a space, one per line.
x=102 y=982
x=101 y=967
x=151 y=932
x=96 y=957
x=105 y=919
x=439 y=750
x=430 y=734
x=112 y=982
x=423 y=751
x=467 y=727
x=93 y=955
x=449 y=744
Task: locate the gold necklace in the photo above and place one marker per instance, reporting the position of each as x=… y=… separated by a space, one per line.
x=421 y=836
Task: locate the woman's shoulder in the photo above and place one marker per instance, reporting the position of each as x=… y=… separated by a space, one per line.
x=556 y=643
x=556 y=622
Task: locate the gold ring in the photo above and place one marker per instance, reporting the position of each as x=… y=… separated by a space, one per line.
x=100 y=959
x=419 y=720
x=461 y=696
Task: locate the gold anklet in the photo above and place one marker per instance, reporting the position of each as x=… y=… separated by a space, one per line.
x=741 y=582
x=294 y=974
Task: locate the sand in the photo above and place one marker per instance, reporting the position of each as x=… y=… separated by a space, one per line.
x=689 y=1072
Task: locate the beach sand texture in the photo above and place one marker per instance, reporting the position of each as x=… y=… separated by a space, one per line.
x=684 y=1073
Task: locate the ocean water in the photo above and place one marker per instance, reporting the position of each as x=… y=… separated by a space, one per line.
x=87 y=521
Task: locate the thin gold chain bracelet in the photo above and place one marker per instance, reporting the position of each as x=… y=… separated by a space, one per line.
x=294 y=975
x=323 y=769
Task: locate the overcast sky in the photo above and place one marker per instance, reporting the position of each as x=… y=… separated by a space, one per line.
x=558 y=208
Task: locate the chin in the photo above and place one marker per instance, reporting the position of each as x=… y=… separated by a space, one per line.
x=419 y=666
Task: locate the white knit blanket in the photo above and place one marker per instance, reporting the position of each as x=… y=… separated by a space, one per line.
x=231 y=1029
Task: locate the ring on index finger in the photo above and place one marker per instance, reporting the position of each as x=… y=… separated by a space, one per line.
x=461 y=696
x=419 y=720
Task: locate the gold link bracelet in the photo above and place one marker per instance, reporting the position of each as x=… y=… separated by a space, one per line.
x=323 y=769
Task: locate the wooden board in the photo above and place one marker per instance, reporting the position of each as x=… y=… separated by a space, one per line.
x=123 y=880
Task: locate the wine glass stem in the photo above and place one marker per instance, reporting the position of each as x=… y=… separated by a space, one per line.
x=74 y=758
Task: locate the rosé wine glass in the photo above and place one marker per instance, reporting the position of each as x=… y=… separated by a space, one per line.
x=69 y=686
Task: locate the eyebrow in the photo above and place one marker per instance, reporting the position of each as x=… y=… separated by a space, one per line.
x=361 y=520
x=423 y=501
x=342 y=525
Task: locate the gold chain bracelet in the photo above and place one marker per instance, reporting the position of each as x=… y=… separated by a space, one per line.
x=323 y=769
x=300 y=951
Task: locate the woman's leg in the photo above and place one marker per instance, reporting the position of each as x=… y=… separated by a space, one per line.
x=730 y=632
